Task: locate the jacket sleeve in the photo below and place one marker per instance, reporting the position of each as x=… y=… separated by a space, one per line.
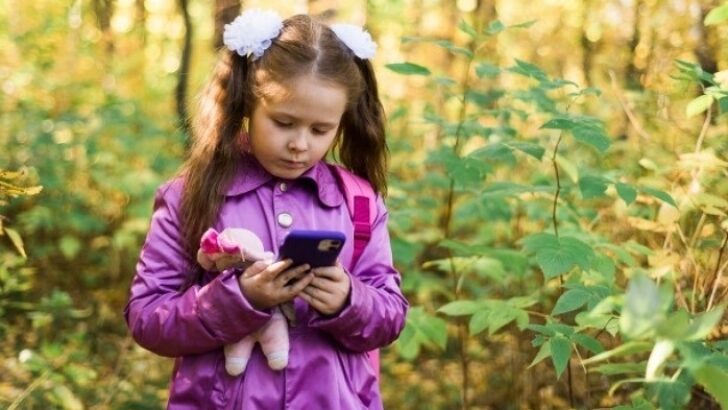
x=375 y=313
x=174 y=322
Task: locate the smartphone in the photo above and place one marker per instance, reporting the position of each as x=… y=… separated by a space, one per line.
x=316 y=248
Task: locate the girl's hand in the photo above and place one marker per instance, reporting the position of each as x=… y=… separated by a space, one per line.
x=328 y=289
x=267 y=284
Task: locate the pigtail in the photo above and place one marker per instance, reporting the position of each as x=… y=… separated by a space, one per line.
x=216 y=148
x=363 y=145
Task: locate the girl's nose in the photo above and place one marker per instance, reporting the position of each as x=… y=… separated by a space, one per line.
x=299 y=143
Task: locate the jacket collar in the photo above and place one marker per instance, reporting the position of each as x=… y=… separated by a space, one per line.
x=251 y=175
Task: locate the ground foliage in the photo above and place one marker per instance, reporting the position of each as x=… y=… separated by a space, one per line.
x=561 y=245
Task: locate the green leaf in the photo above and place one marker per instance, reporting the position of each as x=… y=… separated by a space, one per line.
x=625 y=349
x=593 y=186
x=495 y=27
x=529 y=148
x=715 y=16
x=408 y=69
x=698 y=105
x=661 y=195
x=723 y=105
x=70 y=246
x=525 y=24
x=528 y=70
x=560 y=353
x=588 y=342
x=570 y=300
x=557 y=255
x=626 y=192
x=466 y=28
x=479 y=321
x=16 y=240
x=407 y=343
x=703 y=324
x=591 y=135
x=559 y=123
x=487 y=70
x=715 y=381
x=669 y=394
x=435 y=329
x=501 y=317
x=611 y=369
x=460 y=308
x=543 y=352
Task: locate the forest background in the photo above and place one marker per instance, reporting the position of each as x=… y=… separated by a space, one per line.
x=557 y=195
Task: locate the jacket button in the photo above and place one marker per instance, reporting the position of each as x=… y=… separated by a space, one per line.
x=283 y=187
x=285 y=220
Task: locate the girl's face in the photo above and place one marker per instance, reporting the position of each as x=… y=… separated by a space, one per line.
x=293 y=129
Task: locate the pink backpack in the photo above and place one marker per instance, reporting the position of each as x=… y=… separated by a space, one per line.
x=361 y=201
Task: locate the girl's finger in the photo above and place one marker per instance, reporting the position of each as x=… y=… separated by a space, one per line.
x=275 y=268
x=324 y=285
x=298 y=286
x=330 y=272
x=310 y=300
x=254 y=269
x=292 y=274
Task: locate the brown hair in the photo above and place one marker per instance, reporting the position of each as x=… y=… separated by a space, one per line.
x=305 y=46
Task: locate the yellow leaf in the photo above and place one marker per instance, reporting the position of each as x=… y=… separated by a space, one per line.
x=668 y=214
x=16 y=240
x=11 y=174
x=647 y=225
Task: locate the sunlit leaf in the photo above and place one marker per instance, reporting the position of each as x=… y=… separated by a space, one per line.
x=408 y=69
x=460 y=308
x=16 y=240
x=698 y=105
x=557 y=255
x=717 y=15
x=466 y=28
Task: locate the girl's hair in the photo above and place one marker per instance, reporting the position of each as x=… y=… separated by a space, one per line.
x=304 y=47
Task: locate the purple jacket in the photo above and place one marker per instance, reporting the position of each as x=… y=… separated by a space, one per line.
x=328 y=366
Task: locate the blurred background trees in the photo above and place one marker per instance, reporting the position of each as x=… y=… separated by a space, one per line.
x=557 y=192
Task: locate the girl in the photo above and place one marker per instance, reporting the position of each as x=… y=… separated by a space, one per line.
x=285 y=94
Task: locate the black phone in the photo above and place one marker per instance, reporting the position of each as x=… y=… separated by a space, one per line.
x=313 y=247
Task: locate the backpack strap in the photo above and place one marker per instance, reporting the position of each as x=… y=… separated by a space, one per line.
x=362 y=204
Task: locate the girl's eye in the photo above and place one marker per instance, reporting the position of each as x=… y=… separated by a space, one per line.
x=319 y=132
x=282 y=124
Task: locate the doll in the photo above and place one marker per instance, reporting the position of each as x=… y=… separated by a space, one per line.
x=237 y=247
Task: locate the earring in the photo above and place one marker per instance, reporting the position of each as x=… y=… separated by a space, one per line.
x=244 y=139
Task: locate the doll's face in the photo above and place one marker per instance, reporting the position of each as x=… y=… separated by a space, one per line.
x=293 y=127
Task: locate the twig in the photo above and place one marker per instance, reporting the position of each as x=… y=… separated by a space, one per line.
x=703 y=131
x=14 y=405
x=718 y=272
x=630 y=116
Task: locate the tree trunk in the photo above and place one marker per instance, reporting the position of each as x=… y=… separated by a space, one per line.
x=705 y=50
x=141 y=21
x=588 y=48
x=104 y=9
x=633 y=74
x=181 y=90
x=225 y=12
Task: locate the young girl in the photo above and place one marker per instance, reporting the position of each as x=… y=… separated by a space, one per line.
x=285 y=94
